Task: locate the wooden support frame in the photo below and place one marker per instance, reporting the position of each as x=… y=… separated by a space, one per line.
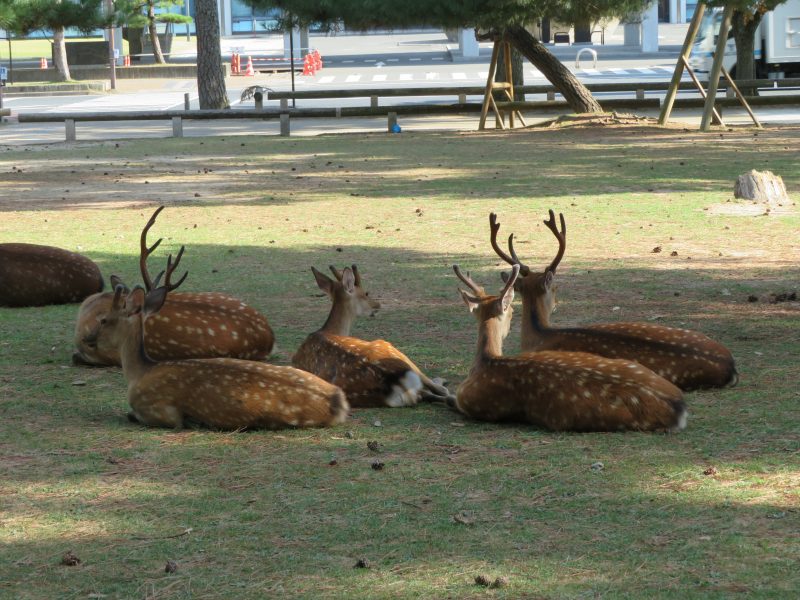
x=507 y=87
x=710 y=113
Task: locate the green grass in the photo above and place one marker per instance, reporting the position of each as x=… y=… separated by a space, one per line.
x=36 y=48
x=264 y=514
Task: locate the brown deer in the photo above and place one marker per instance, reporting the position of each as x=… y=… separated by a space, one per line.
x=562 y=391
x=190 y=325
x=222 y=393
x=372 y=374
x=34 y=275
x=687 y=358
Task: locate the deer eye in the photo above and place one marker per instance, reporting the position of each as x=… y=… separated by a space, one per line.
x=103 y=321
x=366 y=294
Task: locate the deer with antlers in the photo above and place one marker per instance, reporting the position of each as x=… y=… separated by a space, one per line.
x=190 y=325
x=34 y=275
x=562 y=391
x=687 y=358
x=372 y=374
x=222 y=393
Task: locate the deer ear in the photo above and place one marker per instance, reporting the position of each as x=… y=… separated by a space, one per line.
x=117 y=282
x=348 y=280
x=134 y=301
x=471 y=301
x=507 y=299
x=154 y=300
x=117 y=302
x=324 y=282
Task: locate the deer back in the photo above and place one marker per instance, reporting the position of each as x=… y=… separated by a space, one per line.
x=686 y=358
x=189 y=325
x=34 y=275
x=372 y=374
x=233 y=394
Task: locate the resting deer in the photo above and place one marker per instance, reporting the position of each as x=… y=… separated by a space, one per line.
x=223 y=393
x=687 y=358
x=190 y=325
x=33 y=275
x=562 y=391
x=372 y=374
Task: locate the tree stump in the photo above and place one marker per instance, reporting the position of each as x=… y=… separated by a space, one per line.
x=761 y=186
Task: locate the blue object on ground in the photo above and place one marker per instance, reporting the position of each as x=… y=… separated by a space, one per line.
x=396 y=128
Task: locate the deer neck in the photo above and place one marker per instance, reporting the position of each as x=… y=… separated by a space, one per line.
x=133 y=357
x=535 y=322
x=490 y=340
x=340 y=319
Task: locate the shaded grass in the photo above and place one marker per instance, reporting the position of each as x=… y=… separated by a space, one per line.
x=268 y=513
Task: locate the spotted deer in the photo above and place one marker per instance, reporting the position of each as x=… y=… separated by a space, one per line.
x=190 y=325
x=687 y=358
x=222 y=393
x=372 y=374
x=34 y=275
x=562 y=391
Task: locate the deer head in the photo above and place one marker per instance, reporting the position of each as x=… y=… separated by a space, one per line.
x=349 y=298
x=492 y=312
x=538 y=287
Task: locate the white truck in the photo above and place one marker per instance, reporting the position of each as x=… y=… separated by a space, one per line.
x=777 y=43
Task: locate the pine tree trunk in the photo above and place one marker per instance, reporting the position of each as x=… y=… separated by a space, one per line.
x=210 y=76
x=60 y=55
x=153 y=30
x=517 y=72
x=744 y=25
x=575 y=93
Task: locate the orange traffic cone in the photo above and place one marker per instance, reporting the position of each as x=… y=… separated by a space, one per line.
x=250 y=72
x=43 y=63
x=126 y=61
x=317 y=60
x=308 y=65
x=235 y=69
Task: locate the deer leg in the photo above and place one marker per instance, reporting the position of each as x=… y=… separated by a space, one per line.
x=157 y=415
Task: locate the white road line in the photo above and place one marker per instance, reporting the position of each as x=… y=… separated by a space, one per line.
x=438 y=58
x=414 y=59
x=326 y=79
x=430 y=76
x=645 y=71
x=619 y=71
x=370 y=60
x=591 y=72
x=392 y=60
x=406 y=77
x=352 y=78
x=348 y=61
x=379 y=78
x=458 y=75
x=667 y=69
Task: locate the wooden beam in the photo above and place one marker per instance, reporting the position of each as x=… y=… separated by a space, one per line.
x=694 y=27
x=716 y=67
x=701 y=89
x=740 y=96
x=487 y=94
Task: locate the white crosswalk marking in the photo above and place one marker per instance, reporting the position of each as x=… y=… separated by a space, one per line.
x=483 y=75
x=352 y=78
x=406 y=77
x=536 y=73
x=326 y=79
x=619 y=71
x=379 y=77
x=430 y=76
x=458 y=75
x=156 y=100
x=591 y=72
x=645 y=71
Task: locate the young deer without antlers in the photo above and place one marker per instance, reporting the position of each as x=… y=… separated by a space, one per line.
x=563 y=391
x=33 y=275
x=372 y=374
x=223 y=393
x=190 y=325
x=687 y=358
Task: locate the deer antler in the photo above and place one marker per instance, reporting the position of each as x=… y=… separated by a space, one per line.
x=561 y=236
x=171 y=269
x=468 y=281
x=146 y=252
x=510 y=281
x=336 y=272
x=494 y=227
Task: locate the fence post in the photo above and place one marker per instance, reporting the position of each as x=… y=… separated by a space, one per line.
x=373 y=101
x=462 y=98
x=551 y=95
x=338 y=112
x=259 y=100
x=69 y=127
x=284 y=103
x=186 y=101
x=640 y=94
x=285 y=124
x=392 y=121
x=177 y=127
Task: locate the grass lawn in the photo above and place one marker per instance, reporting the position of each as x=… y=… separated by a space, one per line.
x=36 y=48
x=713 y=512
